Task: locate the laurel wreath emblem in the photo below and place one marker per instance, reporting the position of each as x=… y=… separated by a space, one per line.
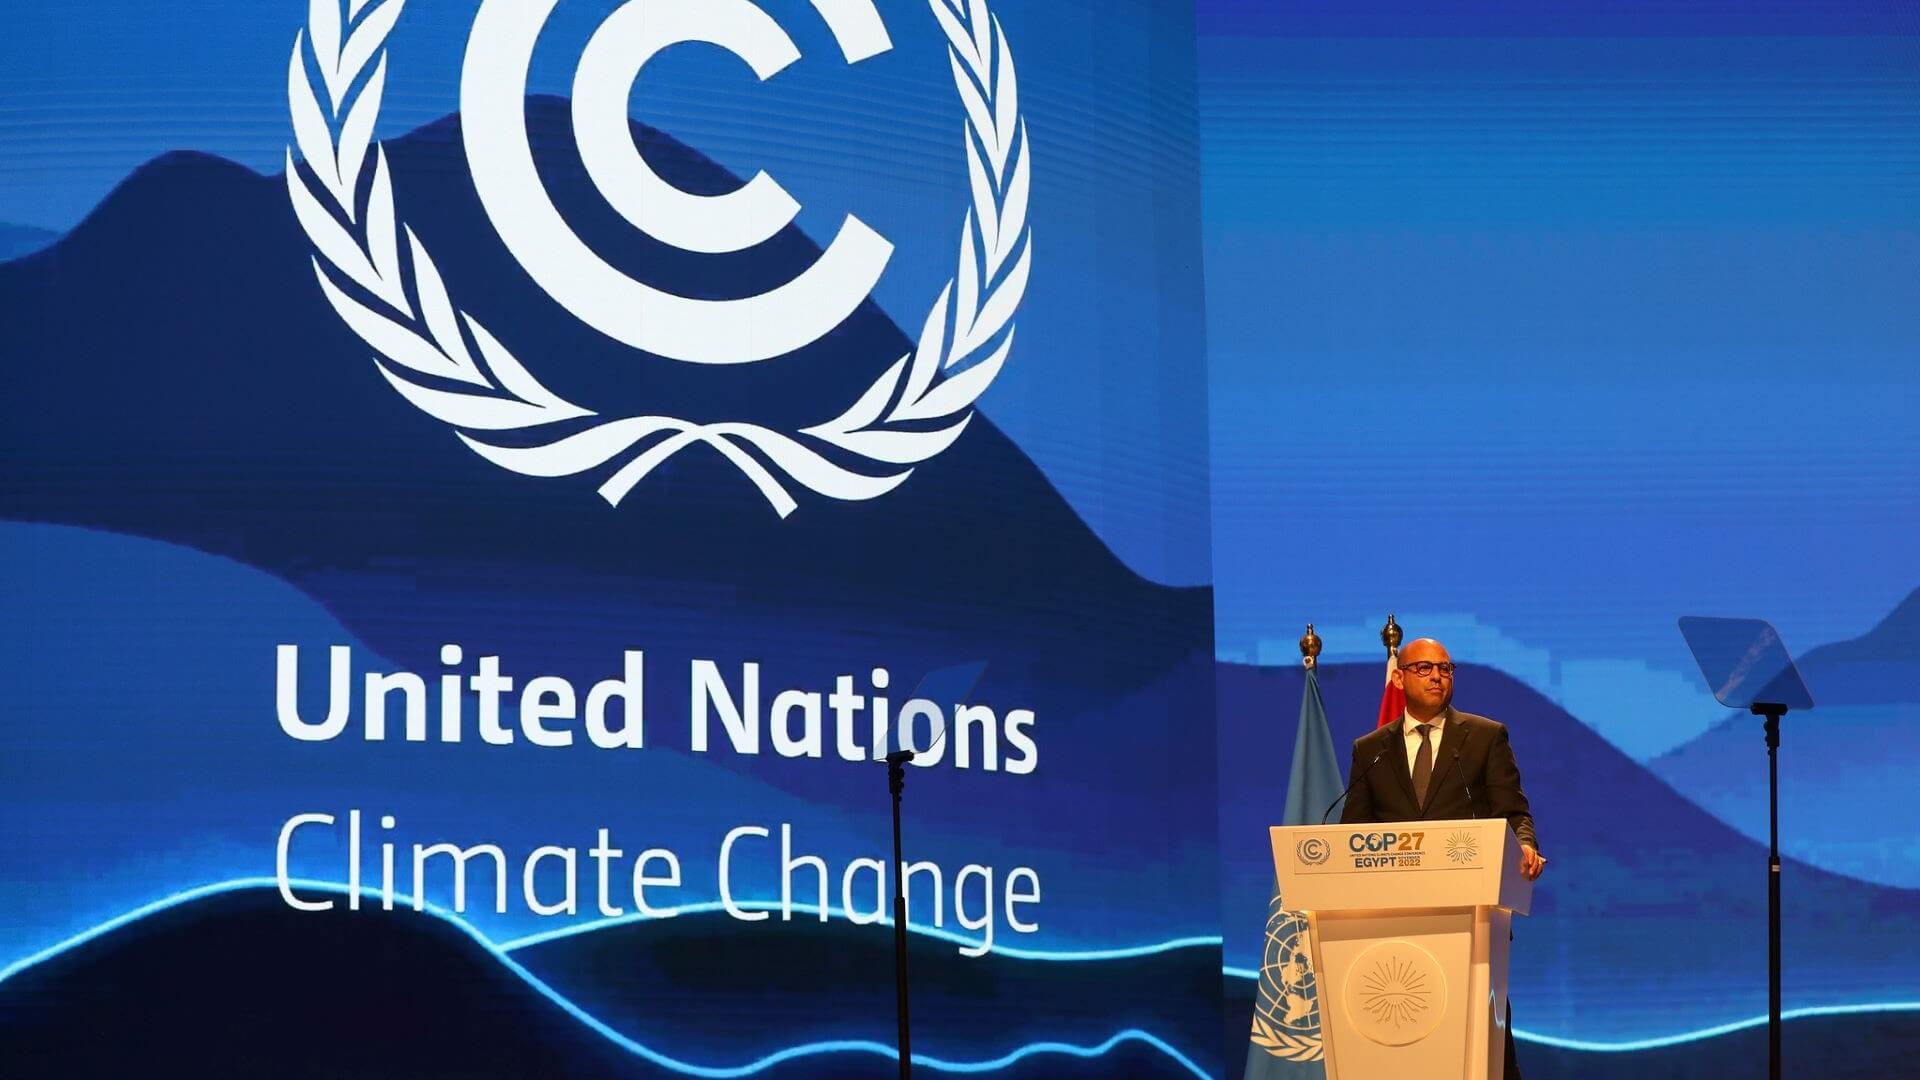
x=1285 y=1046
x=915 y=409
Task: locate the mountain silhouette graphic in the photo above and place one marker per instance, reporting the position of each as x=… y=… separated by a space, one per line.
x=18 y=240
x=177 y=373
x=1880 y=667
x=834 y=980
x=1866 y=693
x=238 y=984
x=179 y=376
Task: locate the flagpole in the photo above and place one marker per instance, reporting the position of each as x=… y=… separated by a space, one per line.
x=1287 y=1037
x=1392 y=701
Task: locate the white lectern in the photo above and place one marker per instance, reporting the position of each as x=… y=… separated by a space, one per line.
x=1408 y=925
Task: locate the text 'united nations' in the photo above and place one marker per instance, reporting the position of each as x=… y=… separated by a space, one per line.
x=550 y=712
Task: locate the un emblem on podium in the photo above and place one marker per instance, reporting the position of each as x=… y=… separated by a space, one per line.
x=1396 y=993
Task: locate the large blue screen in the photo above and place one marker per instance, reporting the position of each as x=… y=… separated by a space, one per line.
x=1541 y=326
x=485 y=480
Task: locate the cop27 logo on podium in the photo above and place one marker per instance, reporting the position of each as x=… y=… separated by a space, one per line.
x=382 y=281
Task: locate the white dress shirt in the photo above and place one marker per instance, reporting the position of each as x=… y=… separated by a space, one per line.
x=1410 y=728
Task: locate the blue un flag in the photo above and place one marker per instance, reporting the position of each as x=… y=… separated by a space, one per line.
x=1286 y=1010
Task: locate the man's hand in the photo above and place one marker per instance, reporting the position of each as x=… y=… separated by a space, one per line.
x=1532 y=863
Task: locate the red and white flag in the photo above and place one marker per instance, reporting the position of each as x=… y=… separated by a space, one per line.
x=1393 y=700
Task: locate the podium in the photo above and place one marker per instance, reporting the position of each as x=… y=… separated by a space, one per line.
x=1408 y=927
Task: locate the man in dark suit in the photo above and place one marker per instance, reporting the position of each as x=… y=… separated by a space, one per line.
x=1439 y=763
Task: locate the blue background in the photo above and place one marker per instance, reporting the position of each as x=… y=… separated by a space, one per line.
x=203 y=467
x=1537 y=327
x=1541 y=326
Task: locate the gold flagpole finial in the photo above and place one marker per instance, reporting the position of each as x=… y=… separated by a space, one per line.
x=1390 y=635
x=1310 y=648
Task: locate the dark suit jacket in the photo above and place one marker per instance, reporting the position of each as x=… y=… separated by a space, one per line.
x=1474 y=776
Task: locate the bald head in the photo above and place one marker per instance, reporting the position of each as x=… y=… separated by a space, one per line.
x=1427 y=695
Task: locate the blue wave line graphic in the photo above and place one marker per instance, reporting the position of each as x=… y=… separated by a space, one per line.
x=1717 y=1030
x=501 y=953
x=1658 y=1041
x=1123 y=952
x=640 y=1050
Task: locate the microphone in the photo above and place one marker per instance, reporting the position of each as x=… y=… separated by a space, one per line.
x=1355 y=782
x=1464 y=784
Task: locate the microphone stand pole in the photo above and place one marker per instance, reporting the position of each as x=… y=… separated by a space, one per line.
x=896 y=780
x=1773 y=713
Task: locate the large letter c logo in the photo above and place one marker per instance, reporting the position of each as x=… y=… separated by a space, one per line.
x=493 y=123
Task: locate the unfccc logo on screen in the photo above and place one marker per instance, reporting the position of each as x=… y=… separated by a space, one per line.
x=381 y=278
x=493 y=117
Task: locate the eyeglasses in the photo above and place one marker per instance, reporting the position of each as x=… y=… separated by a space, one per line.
x=1424 y=668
